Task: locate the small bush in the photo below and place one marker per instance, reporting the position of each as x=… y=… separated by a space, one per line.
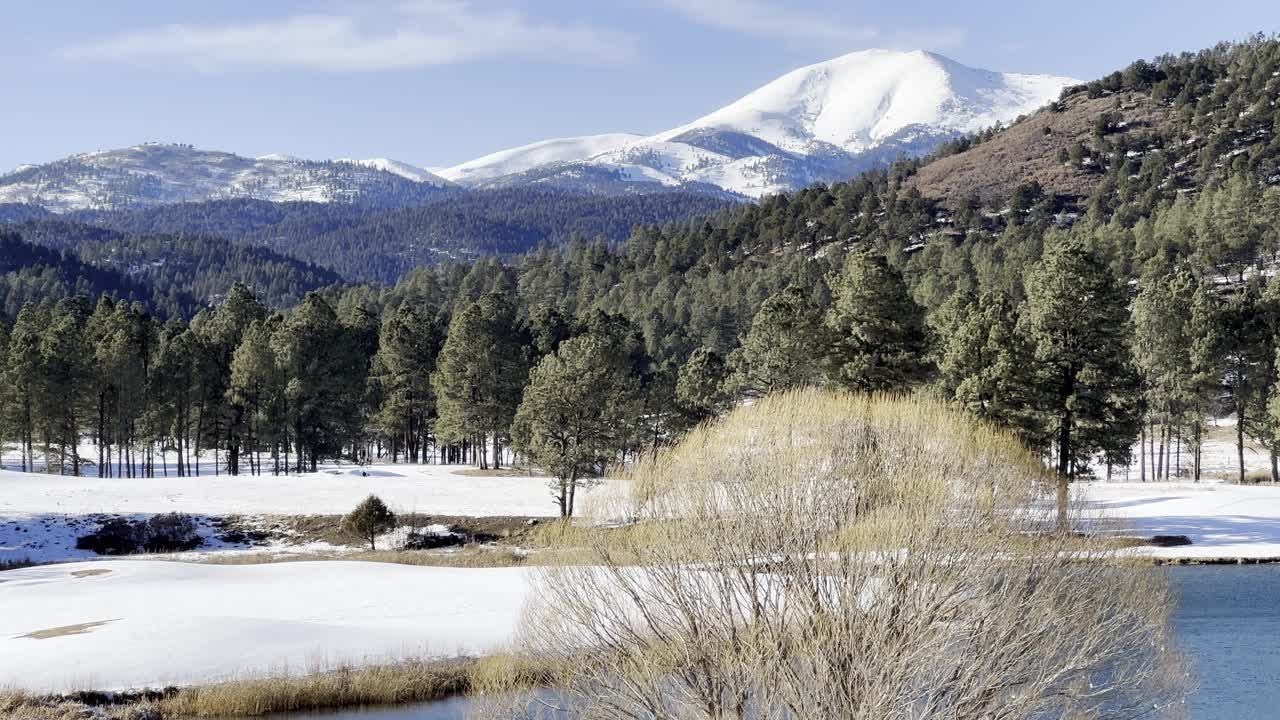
x=1253 y=477
x=171 y=532
x=117 y=536
x=370 y=519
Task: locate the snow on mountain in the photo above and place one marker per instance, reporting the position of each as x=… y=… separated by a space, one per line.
x=157 y=174
x=403 y=169
x=820 y=123
x=536 y=155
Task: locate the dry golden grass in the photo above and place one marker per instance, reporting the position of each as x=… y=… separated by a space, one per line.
x=471 y=556
x=65 y=630
x=344 y=687
x=399 y=683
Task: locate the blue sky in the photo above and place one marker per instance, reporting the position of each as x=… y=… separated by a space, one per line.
x=436 y=82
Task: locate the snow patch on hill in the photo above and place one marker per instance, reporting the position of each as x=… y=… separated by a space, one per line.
x=535 y=155
x=403 y=169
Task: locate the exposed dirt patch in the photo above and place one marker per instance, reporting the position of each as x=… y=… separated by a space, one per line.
x=1029 y=151
x=90 y=573
x=504 y=472
x=300 y=529
x=65 y=630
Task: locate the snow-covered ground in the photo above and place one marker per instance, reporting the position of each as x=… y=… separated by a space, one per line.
x=1218 y=457
x=42 y=515
x=439 y=489
x=1223 y=521
x=129 y=624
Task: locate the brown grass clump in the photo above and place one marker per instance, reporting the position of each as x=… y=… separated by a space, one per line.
x=345 y=687
x=833 y=556
x=399 y=683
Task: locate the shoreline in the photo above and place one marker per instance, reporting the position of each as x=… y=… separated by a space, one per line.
x=409 y=682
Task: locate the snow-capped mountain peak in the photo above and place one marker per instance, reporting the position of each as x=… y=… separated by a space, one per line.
x=819 y=123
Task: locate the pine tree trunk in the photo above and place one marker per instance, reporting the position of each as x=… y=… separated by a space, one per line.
x=1159 y=464
x=1065 y=450
x=1196 y=431
x=1240 y=439
x=1142 y=453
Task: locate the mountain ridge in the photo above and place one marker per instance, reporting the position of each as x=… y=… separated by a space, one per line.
x=153 y=174
x=819 y=123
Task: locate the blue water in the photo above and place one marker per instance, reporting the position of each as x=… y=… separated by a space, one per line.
x=1227 y=620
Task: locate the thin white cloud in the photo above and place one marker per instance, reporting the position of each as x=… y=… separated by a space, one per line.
x=412 y=34
x=765 y=18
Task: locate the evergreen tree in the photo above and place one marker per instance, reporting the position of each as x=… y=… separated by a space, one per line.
x=572 y=419
x=64 y=382
x=786 y=347
x=175 y=391
x=23 y=379
x=983 y=365
x=221 y=334
x=1247 y=364
x=326 y=377
x=880 y=333
x=700 y=386
x=409 y=341
x=1205 y=362
x=370 y=519
x=257 y=386
x=481 y=372
x=1077 y=326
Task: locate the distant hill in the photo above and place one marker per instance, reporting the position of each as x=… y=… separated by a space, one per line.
x=157 y=174
x=31 y=273
x=199 y=267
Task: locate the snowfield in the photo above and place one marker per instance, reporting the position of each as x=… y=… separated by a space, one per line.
x=439 y=489
x=1223 y=521
x=41 y=516
x=130 y=624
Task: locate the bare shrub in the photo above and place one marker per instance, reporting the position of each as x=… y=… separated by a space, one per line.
x=170 y=532
x=831 y=556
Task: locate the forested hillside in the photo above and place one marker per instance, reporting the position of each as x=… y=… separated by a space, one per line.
x=201 y=266
x=364 y=244
x=31 y=273
x=1117 y=292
